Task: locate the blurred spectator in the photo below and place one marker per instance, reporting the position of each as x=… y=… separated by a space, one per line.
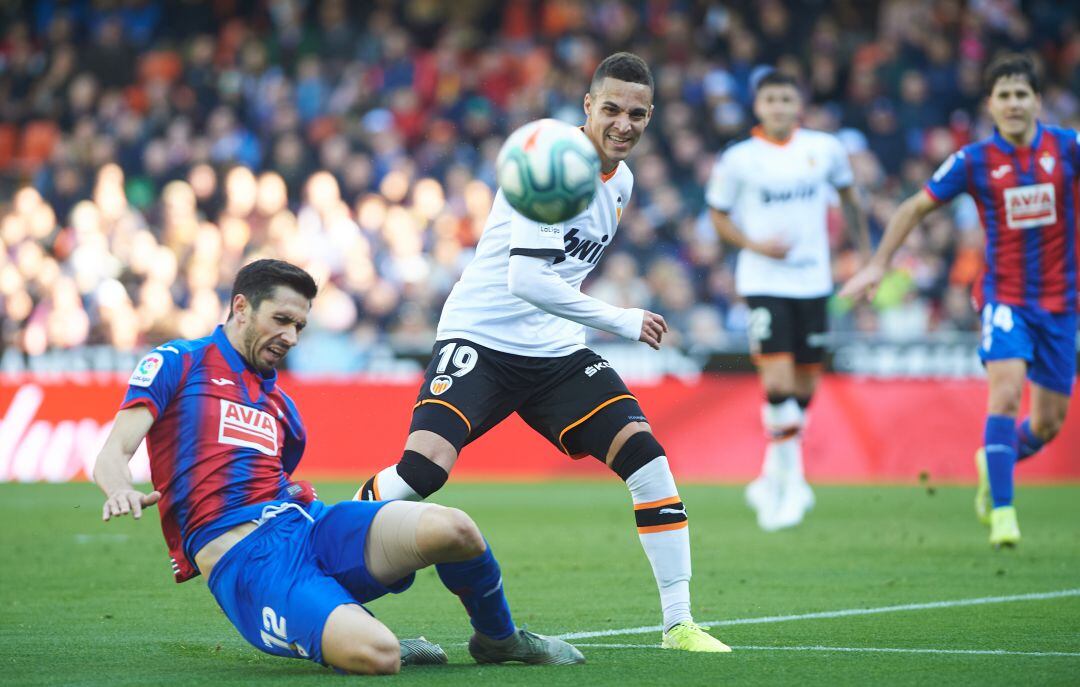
x=149 y=149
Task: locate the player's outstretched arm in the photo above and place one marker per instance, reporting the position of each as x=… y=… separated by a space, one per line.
x=855 y=220
x=906 y=218
x=772 y=248
x=532 y=280
x=111 y=471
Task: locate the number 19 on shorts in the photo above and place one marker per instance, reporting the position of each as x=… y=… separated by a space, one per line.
x=463 y=357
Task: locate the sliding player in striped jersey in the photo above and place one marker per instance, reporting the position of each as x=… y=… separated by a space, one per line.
x=289 y=571
x=1024 y=181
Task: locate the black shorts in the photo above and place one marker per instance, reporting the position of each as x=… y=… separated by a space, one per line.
x=793 y=326
x=554 y=396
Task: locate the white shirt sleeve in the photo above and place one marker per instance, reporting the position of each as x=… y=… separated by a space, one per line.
x=723 y=186
x=840 y=174
x=536 y=239
x=532 y=280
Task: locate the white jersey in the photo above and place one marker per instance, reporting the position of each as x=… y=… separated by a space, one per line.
x=482 y=309
x=782 y=191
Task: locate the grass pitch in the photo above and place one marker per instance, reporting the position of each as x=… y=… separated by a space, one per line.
x=88 y=603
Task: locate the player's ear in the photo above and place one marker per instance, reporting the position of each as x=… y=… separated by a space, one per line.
x=588 y=103
x=240 y=306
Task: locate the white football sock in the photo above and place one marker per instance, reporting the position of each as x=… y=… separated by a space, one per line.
x=389 y=487
x=668 y=550
x=783 y=454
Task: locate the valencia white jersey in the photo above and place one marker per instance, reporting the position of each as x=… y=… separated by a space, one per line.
x=481 y=308
x=782 y=191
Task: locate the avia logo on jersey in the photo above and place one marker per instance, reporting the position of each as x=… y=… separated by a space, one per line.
x=248 y=427
x=1000 y=171
x=1030 y=206
x=583 y=249
x=787 y=195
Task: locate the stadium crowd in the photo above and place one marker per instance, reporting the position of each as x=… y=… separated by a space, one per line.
x=149 y=149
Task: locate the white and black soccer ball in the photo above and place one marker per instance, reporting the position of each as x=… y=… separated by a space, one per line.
x=548 y=170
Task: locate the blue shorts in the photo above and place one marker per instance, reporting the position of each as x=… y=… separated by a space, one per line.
x=279 y=584
x=1047 y=341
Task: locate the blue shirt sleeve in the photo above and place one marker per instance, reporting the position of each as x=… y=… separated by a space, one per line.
x=155 y=380
x=950 y=179
x=295 y=436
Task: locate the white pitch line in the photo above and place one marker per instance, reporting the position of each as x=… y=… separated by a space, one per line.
x=856 y=649
x=835 y=614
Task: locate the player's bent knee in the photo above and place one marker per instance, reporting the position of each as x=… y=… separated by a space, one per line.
x=639 y=450
x=448 y=534
x=441 y=421
x=1047 y=428
x=421 y=473
x=436 y=447
x=355 y=642
x=1004 y=398
x=1004 y=404
x=606 y=430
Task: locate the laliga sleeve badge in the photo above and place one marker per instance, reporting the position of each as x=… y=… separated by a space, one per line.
x=147 y=369
x=440 y=384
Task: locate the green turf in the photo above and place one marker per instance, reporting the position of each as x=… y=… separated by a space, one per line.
x=82 y=602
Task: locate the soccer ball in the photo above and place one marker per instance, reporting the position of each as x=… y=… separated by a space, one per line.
x=548 y=170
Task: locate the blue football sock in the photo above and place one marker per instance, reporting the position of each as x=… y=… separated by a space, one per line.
x=1000 y=443
x=1027 y=443
x=478 y=583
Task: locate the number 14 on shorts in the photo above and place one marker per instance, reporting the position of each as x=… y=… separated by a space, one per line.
x=995 y=317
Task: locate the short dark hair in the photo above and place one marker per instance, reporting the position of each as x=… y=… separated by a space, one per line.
x=776 y=77
x=257 y=281
x=1011 y=64
x=624 y=66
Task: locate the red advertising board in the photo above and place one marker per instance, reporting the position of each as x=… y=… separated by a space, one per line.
x=860 y=430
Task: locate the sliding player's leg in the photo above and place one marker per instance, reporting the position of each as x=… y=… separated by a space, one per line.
x=405 y=537
x=273 y=587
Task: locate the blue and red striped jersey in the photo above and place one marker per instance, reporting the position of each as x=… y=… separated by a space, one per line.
x=224 y=440
x=1027 y=199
